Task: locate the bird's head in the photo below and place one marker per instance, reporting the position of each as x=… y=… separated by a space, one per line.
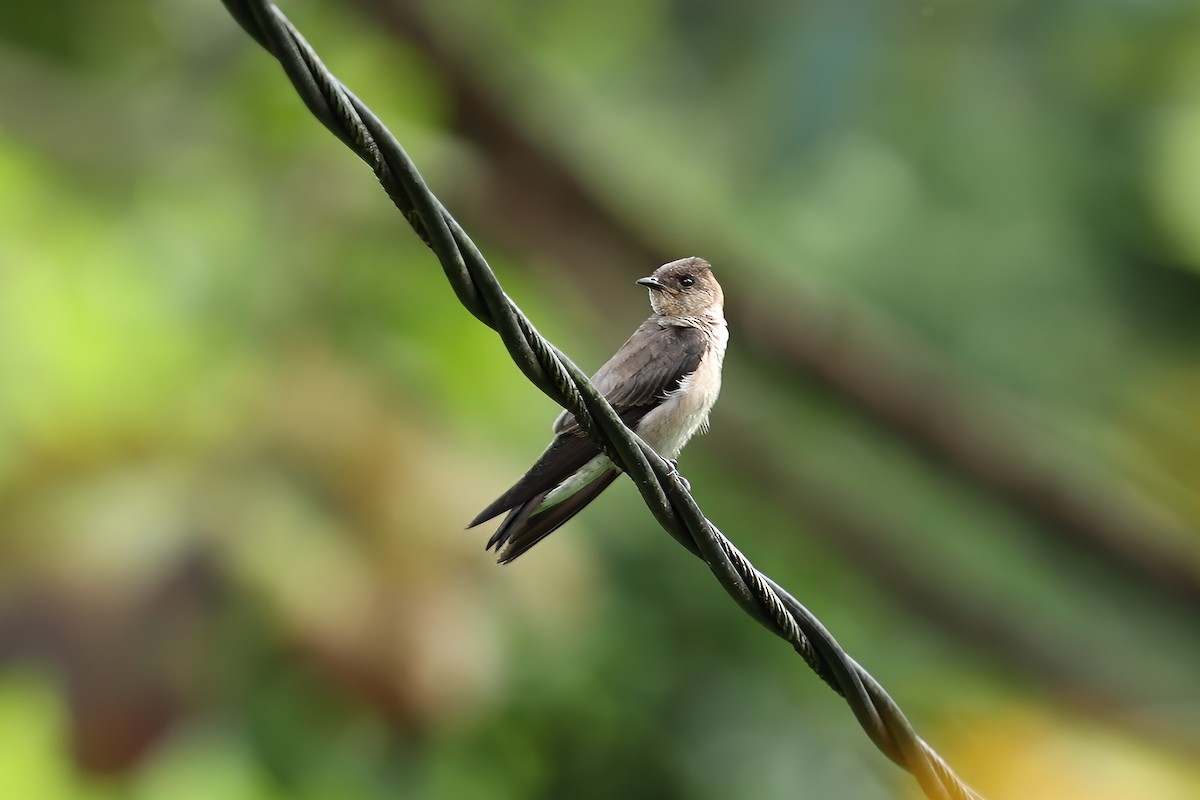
x=684 y=288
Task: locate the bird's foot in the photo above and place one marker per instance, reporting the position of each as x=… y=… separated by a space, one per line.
x=675 y=471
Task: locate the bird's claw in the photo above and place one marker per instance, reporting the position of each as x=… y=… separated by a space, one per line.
x=675 y=471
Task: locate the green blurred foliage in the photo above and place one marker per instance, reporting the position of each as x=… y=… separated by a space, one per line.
x=243 y=418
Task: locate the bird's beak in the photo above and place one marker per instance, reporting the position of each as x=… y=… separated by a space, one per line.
x=651 y=282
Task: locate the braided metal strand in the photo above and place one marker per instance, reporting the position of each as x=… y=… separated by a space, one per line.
x=660 y=485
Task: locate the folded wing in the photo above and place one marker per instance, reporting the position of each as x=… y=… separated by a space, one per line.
x=635 y=381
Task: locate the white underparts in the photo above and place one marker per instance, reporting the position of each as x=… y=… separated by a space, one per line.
x=582 y=477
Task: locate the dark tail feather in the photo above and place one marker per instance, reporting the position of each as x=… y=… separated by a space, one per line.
x=512 y=501
x=522 y=529
x=500 y=505
x=562 y=458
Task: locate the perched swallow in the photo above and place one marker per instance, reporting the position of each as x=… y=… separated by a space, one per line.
x=662 y=383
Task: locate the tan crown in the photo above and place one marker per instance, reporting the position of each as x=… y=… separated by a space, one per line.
x=685 y=288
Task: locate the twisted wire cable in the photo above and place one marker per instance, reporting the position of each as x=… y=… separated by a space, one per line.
x=659 y=483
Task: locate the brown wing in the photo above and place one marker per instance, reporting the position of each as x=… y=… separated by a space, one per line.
x=635 y=381
x=647 y=367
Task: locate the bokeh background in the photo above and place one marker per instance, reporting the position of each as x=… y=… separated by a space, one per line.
x=243 y=419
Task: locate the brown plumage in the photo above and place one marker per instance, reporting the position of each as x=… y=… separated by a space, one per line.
x=662 y=382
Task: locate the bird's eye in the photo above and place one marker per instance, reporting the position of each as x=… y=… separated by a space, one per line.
x=686 y=281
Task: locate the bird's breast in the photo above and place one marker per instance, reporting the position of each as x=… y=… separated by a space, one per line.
x=685 y=411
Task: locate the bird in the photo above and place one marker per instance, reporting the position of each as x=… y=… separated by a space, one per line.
x=662 y=383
